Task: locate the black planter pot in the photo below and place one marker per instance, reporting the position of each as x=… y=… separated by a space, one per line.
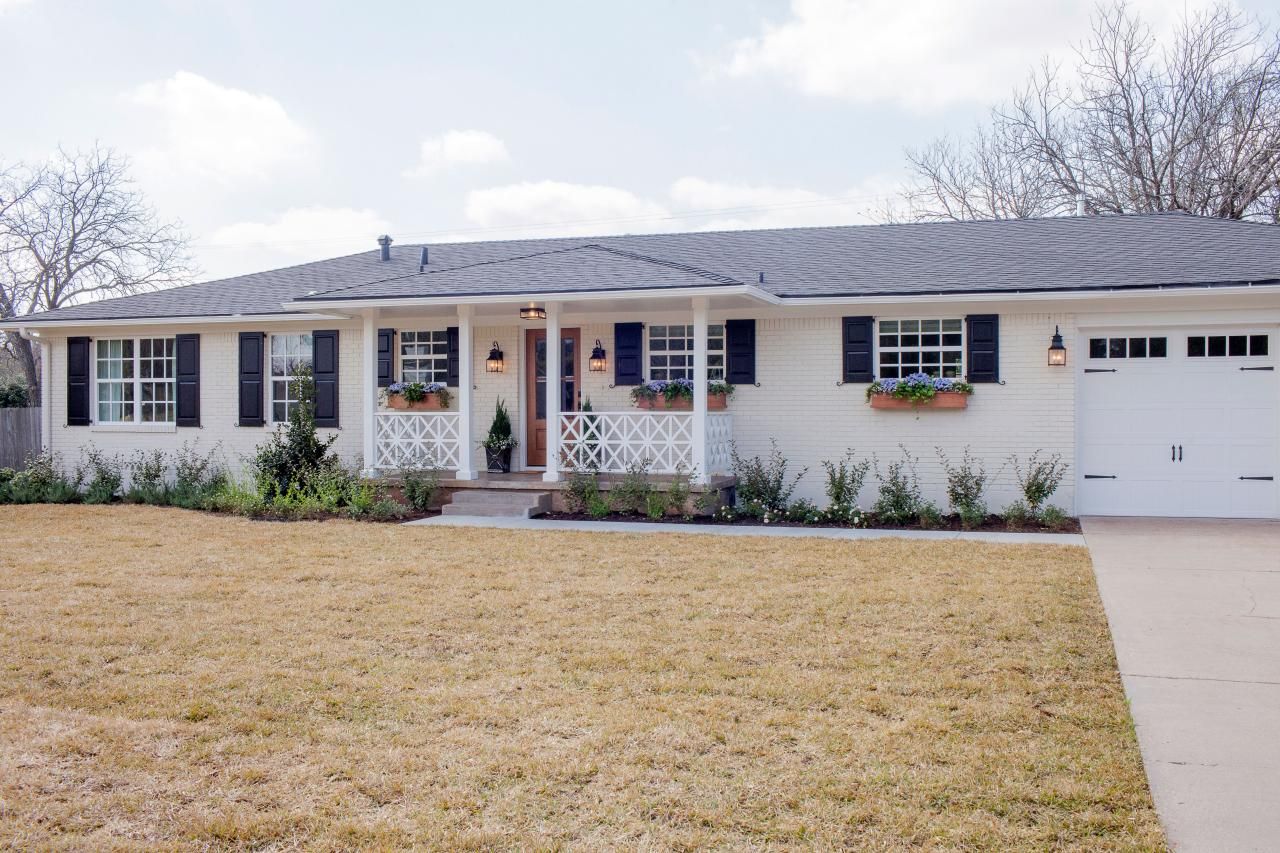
x=499 y=461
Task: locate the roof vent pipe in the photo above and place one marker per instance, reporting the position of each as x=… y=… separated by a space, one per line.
x=422 y=262
x=1080 y=209
x=385 y=243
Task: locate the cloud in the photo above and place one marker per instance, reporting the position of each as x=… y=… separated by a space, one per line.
x=216 y=133
x=568 y=209
x=732 y=206
x=298 y=234
x=458 y=148
x=7 y=5
x=923 y=54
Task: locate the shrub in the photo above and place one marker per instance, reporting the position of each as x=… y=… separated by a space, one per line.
x=765 y=482
x=972 y=517
x=899 y=500
x=196 y=477
x=655 y=505
x=678 y=492
x=14 y=395
x=235 y=496
x=598 y=506
x=500 y=437
x=105 y=474
x=929 y=516
x=845 y=478
x=41 y=481
x=147 y=478
x=1040 y=479
x=631 y=495
x=294 y=453
x=850 y=514
x=420 y=487
x=707 y=501
x=1054 y=518
x=966 y=484
x=805 y=512
x=581 y=489
x=1016 y=515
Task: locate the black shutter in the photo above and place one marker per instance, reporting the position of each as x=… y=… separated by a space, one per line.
x=386 y=357
x=858 y=347
x=324 y=370
x=740 y=351
x=628 y=353
x=78 y=382
x=187 y=371
x=982 y=334
x=455 y=357
x=252 y=383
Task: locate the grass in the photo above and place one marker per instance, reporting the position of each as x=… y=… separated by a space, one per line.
x=188 y=681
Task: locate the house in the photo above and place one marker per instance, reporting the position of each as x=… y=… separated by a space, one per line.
x=1168 y=402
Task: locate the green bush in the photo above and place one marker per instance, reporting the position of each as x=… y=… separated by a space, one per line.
x=631 y=494
x=678 y=492
x=1054 y=518
x=805 y=511
x=966 y=486
x=420 y=487
x=655 y=505
x=929 y=516
x=14 y=395
x=1039 y=479
x=845 y=478
x=196 y=477
x=1016 y=515
x=764 y=484
x=105 y=476
x=598 y=506
x=582 y=488
x=294 y=454
x=147 y=478
x=235 y=496
x=41 y=481
x=972 y=517
x=899 y=500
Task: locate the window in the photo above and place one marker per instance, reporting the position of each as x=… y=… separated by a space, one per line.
x=935 y=347
x=424 y=356
x=289 y=355
x=1219 y=346
x=671 y=352
x=1128 y=347
x=134 y=380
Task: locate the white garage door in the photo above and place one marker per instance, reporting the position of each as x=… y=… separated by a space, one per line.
x=1179 y=422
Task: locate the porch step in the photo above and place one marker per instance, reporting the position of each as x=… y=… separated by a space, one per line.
x=496 y=503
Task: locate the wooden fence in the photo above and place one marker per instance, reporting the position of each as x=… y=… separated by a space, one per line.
x=19 y=436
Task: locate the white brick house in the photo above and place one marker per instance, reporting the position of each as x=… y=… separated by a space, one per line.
x=1168 y=402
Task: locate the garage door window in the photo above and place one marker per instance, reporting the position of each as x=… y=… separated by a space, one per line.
x=1128 y=347
x=1223 y=346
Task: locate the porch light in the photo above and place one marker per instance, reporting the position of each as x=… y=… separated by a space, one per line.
x=598 y=361
x=493 y=364
x=1057 y=350
x=533 y=313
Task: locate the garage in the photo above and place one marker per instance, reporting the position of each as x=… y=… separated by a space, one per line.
x=1179 y=422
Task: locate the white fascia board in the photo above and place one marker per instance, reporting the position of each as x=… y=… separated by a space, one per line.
x=1085 y=295
x=20 y=325
x=521 y=299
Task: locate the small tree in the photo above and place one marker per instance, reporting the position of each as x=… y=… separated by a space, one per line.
x=295 y=453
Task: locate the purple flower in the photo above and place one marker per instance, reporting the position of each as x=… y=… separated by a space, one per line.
x=943 y=384
x=395 y=388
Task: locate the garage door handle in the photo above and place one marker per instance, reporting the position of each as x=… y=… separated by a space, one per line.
x=1257 y=478
x=1099 y=476
x=1268 y=367
x=1099 y=370
x=1179 y=452
x=1173 y=454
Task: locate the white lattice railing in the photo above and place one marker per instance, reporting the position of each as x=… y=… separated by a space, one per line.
x=611 y=441
x=417 y=440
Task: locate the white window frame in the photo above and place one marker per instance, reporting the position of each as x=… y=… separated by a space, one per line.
x=304 y=350
x=960 y=365
x=136 y=382
x=714 y=371
x=440 y=372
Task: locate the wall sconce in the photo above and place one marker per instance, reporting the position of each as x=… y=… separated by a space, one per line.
x=598 y=360
x=493 y=364
x=1057 y=350
x=533 y=313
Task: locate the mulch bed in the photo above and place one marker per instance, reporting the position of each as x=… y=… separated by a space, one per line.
x=994 y=523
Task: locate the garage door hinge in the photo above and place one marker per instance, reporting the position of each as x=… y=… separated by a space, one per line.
x=1099 y=476
x=1268 y=367
x=1257 y=478
x=1099 y=370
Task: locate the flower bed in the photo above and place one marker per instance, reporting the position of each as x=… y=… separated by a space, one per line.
x=677 y=395
x=919 y=390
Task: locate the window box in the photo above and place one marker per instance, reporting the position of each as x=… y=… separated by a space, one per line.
x=940 y=400
x=429 y=403
x=715 y=403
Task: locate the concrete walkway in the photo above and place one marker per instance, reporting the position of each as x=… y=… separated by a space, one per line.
x=1194 y=608
x=726 y=530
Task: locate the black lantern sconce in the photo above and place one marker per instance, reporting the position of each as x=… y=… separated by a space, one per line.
x=493 y=363
x=1057 y=350
x=598 y=360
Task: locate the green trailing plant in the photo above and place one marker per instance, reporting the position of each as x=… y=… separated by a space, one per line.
x=1039 y=478
x=147 y=483
x=105 y=475
x=917 y=388
x=764 y=484
x=631 y=494
x=671 y=390
x=416 y=392
x=966 y=487
x=500 y=437
x=899 y=500
x=420 y=487
x=845 y=478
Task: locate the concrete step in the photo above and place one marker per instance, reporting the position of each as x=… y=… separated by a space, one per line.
x=499 y=504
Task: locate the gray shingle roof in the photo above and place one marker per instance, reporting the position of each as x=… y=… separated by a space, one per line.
x=1075 y=253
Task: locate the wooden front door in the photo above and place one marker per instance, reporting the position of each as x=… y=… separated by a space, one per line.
x=536 y=387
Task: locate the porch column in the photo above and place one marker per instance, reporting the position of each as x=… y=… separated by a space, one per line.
x=555 y=350
x=466 y=385
x=46 y=395
x=700 y=310
x=369 y=389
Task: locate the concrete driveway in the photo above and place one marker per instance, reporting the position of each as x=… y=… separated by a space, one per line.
x=1194 y=607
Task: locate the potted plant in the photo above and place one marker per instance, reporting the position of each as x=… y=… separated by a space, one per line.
x=499 y=443
x=919 y=390
x=677 y=395
x=418 y=396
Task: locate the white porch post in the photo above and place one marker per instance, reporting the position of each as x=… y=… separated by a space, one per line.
x=46 y=395
x=700 y=309
x=554 y=353
x=466 y=384
x=369 y=389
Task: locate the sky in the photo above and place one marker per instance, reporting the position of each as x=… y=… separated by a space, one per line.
x=281 y=132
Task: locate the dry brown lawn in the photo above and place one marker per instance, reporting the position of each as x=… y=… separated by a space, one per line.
x=185 y=681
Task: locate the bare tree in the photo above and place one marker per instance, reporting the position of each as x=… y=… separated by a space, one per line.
x=1193 y=125
x=76 y=229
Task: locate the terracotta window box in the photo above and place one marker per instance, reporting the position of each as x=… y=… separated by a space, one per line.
x=941 y=400
x=715 y=403
x=429 y=403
